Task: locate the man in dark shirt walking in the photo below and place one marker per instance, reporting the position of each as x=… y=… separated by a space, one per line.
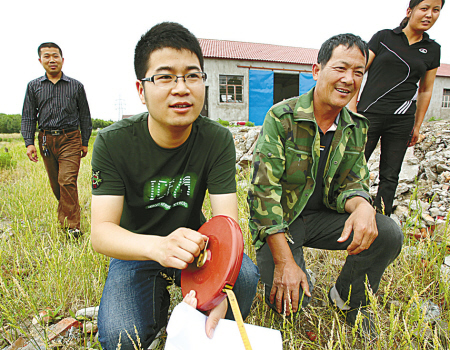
x=59 y=105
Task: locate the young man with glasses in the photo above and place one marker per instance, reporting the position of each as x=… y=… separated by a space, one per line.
x=150 y=176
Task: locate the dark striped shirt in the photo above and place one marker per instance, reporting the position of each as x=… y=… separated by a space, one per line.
x=55 y=107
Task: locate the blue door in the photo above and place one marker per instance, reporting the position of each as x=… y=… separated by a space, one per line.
x=260 y=95
x=306 y=82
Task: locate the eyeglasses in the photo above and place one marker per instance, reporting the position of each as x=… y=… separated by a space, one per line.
x=171 y=80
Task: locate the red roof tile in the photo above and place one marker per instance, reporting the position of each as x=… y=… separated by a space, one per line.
x=444 y=70
x=270 y=53
x=257 y=52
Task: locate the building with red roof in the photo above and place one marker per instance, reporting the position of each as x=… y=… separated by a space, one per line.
x=246 y=79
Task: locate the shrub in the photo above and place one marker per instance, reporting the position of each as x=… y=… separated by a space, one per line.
x=224 y=122
x=6 y=161
x=249 y=124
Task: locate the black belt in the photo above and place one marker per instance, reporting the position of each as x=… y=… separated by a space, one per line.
x=59 y=132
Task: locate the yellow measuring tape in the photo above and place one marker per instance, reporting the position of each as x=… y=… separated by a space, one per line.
x=237 y=316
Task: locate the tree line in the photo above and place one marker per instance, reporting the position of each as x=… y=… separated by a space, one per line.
x=10 y=123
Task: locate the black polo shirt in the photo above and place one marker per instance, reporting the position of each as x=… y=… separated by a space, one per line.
x=315 y=202
x=392 y=80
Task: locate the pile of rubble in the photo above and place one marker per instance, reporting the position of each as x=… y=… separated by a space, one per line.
x=425 y=178
x=245 y=140
x=47 y=331
x=424 y=181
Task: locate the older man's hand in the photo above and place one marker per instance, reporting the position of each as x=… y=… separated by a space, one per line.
x=363 y=224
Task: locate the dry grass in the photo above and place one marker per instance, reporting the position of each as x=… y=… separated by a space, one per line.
x=41 y=269
x=11 y=136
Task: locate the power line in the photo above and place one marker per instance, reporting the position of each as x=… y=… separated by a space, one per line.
x=120 y=107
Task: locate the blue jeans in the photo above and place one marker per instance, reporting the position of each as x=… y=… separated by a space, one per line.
x=321 y=230
x=135 y=300
x=395 y=133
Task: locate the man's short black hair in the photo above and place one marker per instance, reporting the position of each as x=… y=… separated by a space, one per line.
x=49 y=45
x=166 y=34
x=348 y=40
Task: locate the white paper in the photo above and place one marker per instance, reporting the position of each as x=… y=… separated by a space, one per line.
x=186 y=331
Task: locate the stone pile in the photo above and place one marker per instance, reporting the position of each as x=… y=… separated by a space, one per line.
x=245 y=140
x=424 y=180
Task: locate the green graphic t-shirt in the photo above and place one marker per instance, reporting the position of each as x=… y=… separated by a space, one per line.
x=163 y=188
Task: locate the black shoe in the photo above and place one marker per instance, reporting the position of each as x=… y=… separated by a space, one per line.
x=350 y=316
x=74 y=233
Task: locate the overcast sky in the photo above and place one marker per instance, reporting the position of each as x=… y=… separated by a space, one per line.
x=98 y=37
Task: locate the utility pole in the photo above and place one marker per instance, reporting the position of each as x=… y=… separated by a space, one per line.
x=120 y=107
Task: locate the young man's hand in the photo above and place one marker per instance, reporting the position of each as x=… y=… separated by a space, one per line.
x=180 y=248
x=214 y=315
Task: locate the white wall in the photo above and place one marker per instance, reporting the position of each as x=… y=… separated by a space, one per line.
x=435 y=109
x=235 y=111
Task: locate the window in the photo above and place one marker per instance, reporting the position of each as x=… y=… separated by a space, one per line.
x=231 y=88
x=446 y=99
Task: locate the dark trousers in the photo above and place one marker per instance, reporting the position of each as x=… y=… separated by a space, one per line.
x=136 y=300
x=62 y=165
x=395 y=133
x=321 y=230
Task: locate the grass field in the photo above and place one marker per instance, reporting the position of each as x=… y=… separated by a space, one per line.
x=40 y=269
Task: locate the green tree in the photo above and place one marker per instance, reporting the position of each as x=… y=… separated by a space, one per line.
x=10 y=123
x=100 y=123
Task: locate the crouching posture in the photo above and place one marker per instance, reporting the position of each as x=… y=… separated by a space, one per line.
x=150 y=176
x=310 y=189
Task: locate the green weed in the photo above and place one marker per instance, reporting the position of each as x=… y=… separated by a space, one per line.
x=6 y=161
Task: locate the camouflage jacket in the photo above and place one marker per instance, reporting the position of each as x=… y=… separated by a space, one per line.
x=285 y=164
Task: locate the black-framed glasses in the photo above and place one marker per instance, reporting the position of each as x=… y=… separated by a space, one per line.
x=171 y=80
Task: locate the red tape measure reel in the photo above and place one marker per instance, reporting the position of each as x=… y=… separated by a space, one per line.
x=219 y=266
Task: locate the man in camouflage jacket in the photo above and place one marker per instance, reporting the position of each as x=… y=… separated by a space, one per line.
x=310 y=188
